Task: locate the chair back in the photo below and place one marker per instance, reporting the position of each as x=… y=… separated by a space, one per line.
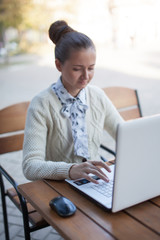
x=12 y=124
x=125 y=100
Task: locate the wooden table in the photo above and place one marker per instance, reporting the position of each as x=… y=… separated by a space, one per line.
x=91 y=222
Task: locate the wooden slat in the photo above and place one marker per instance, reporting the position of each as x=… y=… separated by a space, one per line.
x=12 y=194
x=16 y=201
x=78 y=226
x=12 y=118
x=130 y=114
x=125 y=100
x=34 y=217
x=156 y=201
x=11 y=143
x=120 y=225
x=121 y=96
x=148 y=214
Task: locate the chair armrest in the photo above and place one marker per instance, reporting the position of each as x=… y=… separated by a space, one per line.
x=108 y=150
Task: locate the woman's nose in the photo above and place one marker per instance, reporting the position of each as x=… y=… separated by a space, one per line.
x=85 y=74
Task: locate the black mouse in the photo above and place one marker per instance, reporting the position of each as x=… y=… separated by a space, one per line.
x=63 y=206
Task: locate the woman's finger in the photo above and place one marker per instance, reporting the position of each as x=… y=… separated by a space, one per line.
x=101 y=164
x=100 y=175
x=93 y=167
x=89 y=178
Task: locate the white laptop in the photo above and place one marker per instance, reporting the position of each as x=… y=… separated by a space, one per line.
x=136 y=175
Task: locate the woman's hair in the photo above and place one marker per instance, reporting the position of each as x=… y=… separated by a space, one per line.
x=67 y=39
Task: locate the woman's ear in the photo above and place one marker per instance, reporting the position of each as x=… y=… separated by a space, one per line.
x=58 y=65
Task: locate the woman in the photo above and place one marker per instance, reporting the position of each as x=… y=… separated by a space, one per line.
x=65 y=122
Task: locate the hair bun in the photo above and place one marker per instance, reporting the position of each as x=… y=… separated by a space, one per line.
x=57 y=30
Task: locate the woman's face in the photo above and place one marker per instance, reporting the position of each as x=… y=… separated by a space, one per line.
x=78 y=70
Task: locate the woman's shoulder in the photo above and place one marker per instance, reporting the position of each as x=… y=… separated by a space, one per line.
x=98 y=97
x=95 y=91
x=43 y=98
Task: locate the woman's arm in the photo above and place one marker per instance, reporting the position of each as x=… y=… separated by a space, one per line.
x=35 y=165
x=112 y=117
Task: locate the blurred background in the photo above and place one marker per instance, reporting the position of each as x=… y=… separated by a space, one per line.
x=126 y=34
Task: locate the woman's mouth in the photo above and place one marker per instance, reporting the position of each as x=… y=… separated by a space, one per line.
x=83 y=82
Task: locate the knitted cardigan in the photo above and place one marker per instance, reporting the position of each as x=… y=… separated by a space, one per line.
x=48 y=150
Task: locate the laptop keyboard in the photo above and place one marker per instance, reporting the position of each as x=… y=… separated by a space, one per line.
x=104 y=188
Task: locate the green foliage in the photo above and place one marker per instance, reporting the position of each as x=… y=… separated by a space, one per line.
x=12 y=12
x=23 y=14
x=37 y=15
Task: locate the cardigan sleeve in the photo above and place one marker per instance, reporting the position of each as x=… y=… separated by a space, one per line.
x=103 y=105
x=35 y=165
x=112 y=117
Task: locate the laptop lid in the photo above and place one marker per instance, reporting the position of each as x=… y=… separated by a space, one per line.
x=137 y=171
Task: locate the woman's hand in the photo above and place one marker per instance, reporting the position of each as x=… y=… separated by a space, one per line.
x=83 y=169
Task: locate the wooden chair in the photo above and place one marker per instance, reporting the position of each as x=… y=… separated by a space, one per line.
x=126 y=101
x=12 y=120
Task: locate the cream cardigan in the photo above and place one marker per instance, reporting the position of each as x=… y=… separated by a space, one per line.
x=48 y=150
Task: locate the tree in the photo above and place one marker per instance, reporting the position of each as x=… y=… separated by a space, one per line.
x=11 y=14
x=33 y=14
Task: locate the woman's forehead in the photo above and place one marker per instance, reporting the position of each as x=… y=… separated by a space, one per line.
x=79 y=57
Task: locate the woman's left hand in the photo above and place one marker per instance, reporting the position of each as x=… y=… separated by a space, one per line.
x=82 y=170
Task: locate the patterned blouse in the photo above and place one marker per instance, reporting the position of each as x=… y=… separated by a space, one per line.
x=74 y=108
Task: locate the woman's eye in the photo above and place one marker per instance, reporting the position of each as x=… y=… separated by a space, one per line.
x=79 y=69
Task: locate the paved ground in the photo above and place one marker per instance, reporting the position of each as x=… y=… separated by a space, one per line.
x=25 y=76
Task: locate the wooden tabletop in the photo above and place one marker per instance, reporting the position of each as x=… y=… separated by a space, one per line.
x=90 y=220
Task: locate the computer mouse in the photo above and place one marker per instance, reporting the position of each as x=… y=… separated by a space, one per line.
x=63 y=206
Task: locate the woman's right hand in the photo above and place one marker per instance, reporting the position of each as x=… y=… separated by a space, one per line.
x=82 y=170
